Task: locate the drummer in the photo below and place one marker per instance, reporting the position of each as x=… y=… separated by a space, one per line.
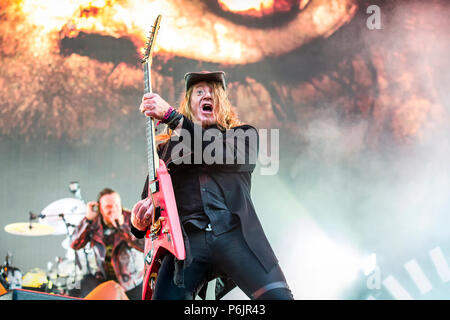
x=117 y=252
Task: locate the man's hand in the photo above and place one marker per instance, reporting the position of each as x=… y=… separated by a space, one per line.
x=141 y=214
x=92 y=210
x=154 y=106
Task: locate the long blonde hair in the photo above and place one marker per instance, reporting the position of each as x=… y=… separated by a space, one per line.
x=226 y=117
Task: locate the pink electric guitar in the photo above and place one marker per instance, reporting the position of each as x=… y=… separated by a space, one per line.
x=165 y=235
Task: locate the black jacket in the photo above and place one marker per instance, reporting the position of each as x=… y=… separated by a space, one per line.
x=233 y=177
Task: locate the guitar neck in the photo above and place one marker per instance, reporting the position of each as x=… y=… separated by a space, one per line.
x=152 y=155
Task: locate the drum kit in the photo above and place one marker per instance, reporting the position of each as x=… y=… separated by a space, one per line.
x=64 y=274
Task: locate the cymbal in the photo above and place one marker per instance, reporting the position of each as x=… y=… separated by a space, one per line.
x=24 y=229
x=73 y=211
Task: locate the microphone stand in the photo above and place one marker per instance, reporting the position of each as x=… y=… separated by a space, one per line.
x=69 y=235
x=74 y=187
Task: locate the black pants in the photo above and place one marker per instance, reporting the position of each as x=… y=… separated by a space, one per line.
x=225 y=255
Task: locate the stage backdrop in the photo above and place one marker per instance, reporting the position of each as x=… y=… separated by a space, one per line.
x=356 y=90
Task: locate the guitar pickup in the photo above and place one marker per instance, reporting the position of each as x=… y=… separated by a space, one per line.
x=157 y=213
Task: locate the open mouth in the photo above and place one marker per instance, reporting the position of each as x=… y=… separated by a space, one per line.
x=207 y=108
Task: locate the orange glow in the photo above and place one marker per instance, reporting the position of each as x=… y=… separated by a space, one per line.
x=67 y=87
x=201 y=35
x=261 y=8
x=239 y=5
x=252 y=7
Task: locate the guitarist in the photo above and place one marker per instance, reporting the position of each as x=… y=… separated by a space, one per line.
x=223 y=236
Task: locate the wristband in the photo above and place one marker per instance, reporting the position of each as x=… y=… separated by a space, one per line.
x=173 y=122
x=167 y=115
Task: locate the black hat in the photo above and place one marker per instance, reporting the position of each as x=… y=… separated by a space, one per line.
x=192 y=78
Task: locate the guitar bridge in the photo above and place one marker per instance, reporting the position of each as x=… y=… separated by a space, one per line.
x=156 y=227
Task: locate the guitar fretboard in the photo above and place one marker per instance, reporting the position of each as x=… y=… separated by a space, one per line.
x=152 y=156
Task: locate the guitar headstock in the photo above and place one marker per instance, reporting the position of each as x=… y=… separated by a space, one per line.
x=149 y=45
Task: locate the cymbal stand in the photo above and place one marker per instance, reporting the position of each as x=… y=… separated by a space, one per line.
x=69 y=235
x=74 y=187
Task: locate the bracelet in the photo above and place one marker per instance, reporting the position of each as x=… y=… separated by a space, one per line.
x=170 y=117
x=167 y=115
x=173 y=123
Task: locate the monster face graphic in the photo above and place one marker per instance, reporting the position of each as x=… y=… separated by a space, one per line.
x=70 y=68
x=342 y=95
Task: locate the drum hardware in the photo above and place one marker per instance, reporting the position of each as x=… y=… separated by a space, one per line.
x=65 y=214
x=34 y=216
x=58 y=218
x=74 y=187
x=69 y=235
x=62 y=213
x=74 y=211
x=11 y=277
x=76 y=263
x=64 y=268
